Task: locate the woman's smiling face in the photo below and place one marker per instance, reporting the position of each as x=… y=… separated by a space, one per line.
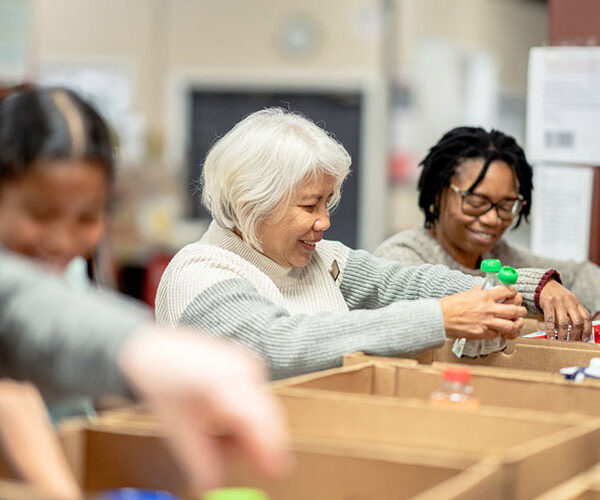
x=55 y=211
x=465 y=237
x=290 y=236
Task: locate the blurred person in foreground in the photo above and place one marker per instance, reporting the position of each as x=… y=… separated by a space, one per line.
x=263 y=276
x=473 y=186
x=95 y=343
x=56 y=169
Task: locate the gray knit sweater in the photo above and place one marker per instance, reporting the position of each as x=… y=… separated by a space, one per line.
x=305 y=319
x=66 y=342
x=417 y=246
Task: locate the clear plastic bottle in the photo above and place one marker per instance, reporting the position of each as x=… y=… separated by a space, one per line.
x=474 y=348
x=506 y=276
x=455 y=391
x=236 y=494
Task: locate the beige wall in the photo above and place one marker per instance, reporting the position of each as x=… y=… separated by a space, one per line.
x=160 y=39
x=157 y=37
x=504 y=28
x=103 y=30
x=245 y=33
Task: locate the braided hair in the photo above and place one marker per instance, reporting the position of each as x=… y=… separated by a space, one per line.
x=459 y=145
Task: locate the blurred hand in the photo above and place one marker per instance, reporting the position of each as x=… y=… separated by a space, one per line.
x=212 y=397
x=483 y=314
x=561 y=308
x=596 y=316
x=30 y=444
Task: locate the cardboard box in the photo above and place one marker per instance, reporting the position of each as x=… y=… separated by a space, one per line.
x=537 y=450
x=493 y=386
x=522 y=354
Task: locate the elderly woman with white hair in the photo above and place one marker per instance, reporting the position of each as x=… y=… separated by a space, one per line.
x=263 y=276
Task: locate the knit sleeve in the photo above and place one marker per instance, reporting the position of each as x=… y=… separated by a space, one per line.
x=582 y=278
x=293 y=344
x=66 y=342
x=369 y=282
x=374 y=281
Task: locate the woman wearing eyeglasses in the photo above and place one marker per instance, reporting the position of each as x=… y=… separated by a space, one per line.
x=473 y=186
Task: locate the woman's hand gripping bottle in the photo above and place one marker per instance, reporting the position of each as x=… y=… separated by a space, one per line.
x=455 y=391
x=473 y=348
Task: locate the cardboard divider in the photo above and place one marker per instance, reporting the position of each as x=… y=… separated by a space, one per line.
x=484 y=480
x=414 y=424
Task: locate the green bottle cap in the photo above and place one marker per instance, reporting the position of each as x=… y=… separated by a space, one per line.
x=236 y=494
x=490 y=265
x=508 y=275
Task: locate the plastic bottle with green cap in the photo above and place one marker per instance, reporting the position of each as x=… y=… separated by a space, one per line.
x=474 y=348
x=236 y=494
x=507 y=276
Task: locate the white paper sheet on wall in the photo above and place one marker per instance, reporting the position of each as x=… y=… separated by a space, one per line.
x=562 y=202
x=563 y=109
x=15 y=38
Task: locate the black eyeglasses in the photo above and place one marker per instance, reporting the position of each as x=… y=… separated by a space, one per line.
x=476 y=205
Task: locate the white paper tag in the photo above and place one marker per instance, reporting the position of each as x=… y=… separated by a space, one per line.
x=458 y=347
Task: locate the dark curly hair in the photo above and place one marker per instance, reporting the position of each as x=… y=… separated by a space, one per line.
x=50 y=123
x=460 y=144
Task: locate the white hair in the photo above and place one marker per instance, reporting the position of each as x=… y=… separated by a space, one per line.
x=259 y=164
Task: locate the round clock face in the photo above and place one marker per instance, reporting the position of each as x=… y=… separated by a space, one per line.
x=300 y=35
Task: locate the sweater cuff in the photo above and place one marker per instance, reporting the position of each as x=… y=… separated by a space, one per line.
x=551 y=274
